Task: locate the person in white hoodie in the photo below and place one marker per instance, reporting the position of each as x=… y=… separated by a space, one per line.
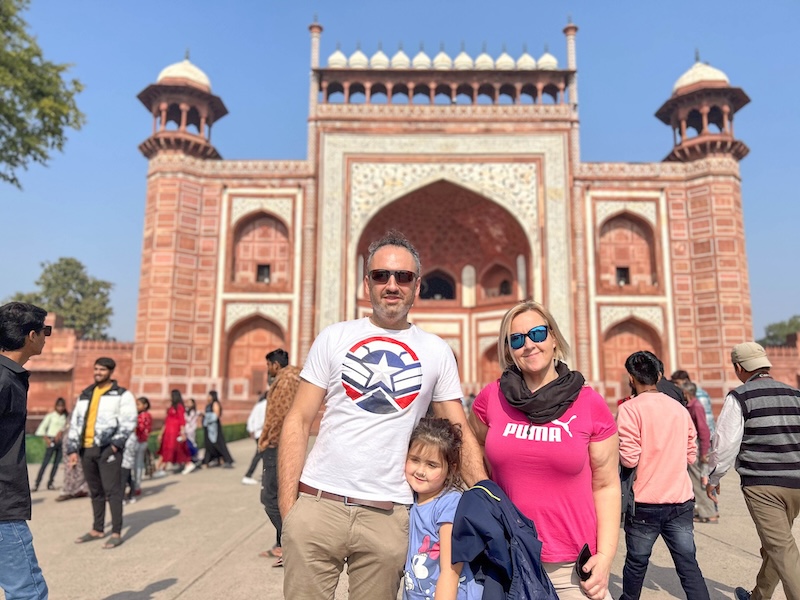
x=255 y=423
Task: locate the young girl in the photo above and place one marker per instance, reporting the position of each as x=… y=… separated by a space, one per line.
x=432 y=470
x=144 y=425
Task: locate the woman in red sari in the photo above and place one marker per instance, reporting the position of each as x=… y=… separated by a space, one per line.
x=172 y=438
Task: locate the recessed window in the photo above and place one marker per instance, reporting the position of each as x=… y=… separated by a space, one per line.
x=262 y=273
x=623 y=276
x=505 y=288
x=437 y=286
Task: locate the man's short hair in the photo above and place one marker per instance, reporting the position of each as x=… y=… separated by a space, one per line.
x=657 y=361
x=680 y=374
x=279 y=356
x=17 y=320
x=643 y=366
x=106 y=362
x=392 y=238
x=689 y=387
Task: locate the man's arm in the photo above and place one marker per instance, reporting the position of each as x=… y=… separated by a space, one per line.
x=472 y=470
x=294 y=442
x=282 y=397
x=630 y=443
x=726 y=441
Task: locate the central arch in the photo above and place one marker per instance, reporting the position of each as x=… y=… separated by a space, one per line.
x=476 y=263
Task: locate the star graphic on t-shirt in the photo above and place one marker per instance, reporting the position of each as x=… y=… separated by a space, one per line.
x=382 y=373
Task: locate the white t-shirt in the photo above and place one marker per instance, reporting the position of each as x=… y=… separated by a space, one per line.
x=379 y=384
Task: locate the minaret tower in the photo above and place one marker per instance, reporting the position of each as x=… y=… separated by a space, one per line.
x=182 y=95
x=700 y=113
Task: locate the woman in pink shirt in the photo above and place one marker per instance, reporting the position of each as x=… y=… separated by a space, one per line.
x=551 y=443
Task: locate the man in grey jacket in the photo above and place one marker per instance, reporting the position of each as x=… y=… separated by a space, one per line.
x=104 y=417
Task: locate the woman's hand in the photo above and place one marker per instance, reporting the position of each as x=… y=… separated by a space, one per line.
x=596 y=587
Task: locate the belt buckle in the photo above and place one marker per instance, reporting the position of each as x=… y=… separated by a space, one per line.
x=348 y=503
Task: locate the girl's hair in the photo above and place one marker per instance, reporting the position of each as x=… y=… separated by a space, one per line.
x=214 y=396
x=145 y=401
x=176 y=398
x=446 y=438
x=191 y=404
x=504 y=353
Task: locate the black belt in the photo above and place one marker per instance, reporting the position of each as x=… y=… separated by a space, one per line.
x=379 y=504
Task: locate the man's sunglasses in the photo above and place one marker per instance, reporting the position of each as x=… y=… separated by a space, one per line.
x=383 y=276
x=537 y=334
x=47 y=330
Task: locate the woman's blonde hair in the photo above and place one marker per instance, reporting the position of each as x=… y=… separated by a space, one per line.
x=504 y=353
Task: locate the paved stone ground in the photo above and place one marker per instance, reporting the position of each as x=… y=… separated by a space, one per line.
x=198 y=537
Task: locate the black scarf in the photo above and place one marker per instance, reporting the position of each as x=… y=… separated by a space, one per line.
x=548 y=402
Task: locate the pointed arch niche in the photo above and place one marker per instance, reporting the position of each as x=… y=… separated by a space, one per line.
x=261 y=254
x=619 y=342
x=247 y=344
x=456 y=231
x=627 y=256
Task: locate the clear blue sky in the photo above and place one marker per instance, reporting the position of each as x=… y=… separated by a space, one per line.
x=89 y=202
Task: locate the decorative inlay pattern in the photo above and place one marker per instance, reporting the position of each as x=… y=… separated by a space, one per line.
x=714 y=164
x=443 y=111
x=484 y=343
x=242 y=206
x=237 y=311
x=511 y=184
x=644 y=208
x=240 y=168
x=652 y=315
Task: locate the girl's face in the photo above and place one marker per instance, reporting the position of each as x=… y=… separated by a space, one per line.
x=426 y=471
x=141 y=407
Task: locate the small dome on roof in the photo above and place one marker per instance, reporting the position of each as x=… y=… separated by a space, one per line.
x=358 y=60
x=421 y=60
x=504 y=62
x=526 y=62
x=337 y=60
x=463 y=61
x=547 y=62
x=185 y=70
x=700 y=72
x=400 y=60
x=379 y=60
x=484 y=62
x=442 y=61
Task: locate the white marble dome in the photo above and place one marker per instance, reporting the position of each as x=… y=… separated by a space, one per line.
x=442 y=61
x=700 y=72
x=504 y=62
x=463 y=62
x=547 y=62
x=484 y=62
x=185 y=70
x=379 y=60
x=358 y=60
x=421 y=60
x=526 y=62
x=337 y=60
x=400 y=60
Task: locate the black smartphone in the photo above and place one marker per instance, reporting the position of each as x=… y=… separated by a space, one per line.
x=583 y=558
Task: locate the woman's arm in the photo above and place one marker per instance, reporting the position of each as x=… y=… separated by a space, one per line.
x=604 y=459
x=449 y=573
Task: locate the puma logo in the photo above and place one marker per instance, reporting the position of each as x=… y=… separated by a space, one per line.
x=565 y=426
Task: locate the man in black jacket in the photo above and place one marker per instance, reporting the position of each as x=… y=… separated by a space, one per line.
x=22 y=335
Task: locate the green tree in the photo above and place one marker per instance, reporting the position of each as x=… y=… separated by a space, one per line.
x=36 y=104
x=776 y=332
x=66 y=289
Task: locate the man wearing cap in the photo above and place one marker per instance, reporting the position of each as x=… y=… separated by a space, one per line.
x=759 y=430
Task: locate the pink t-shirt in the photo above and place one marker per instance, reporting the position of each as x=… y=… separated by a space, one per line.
x=545 y=469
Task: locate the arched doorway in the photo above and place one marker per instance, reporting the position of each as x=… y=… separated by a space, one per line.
x=248 y=343
x=458 y=231
x=622 y=340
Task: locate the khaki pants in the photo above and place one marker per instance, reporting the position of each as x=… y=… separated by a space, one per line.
x=703 y=505
x=319 y=534
x=774 y=510
x=566 y=582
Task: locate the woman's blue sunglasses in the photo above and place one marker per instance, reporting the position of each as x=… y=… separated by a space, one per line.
x=537 y=334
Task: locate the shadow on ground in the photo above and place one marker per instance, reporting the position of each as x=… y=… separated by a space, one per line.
x=137 y=521
x=152 y=490
x=146 y=593
x=666 y=578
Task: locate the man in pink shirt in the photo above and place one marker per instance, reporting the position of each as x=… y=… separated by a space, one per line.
x=656 y=435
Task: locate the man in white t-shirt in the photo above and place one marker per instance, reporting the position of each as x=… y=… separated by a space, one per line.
x=377 y=377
